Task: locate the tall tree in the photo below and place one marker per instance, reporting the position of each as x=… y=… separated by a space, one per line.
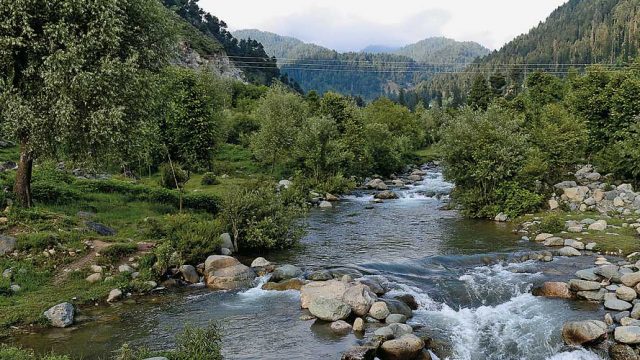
x=72 y=73
x=480 y=94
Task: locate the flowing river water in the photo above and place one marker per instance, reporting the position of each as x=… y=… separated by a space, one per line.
x=474 y=295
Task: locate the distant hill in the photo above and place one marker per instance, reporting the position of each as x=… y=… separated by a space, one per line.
x=443 y=50
x=365 y=74
x=377 y=49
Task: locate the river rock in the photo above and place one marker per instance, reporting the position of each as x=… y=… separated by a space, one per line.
x=114 y=295
x=622 y=352
x=574 y=244
x=360 y=353
x=583 y=332
x=396 y=319
x=386 y=195
x=627 y=321
x=284 y=184
x=554 y=290
x=565 y=185
x=621 y=315
x=226 y=242
x=260 y=262
x=285 y=272
x=338 y=273
x=360 y=298
x=60 y=315
x=568 y=251
x=407 y=347
x=377 y=184
x=320 y=275
x=325 y=205
x=7 y=244
x=227 y=273
x=635 y=313
x=379 y=310
x=398 y=307
x=358 y=325
x=600 y=225
x=590 y=246
x=626 y=293
x=94 y=278
x=587 y=274
x=627 y=334
x=100 y=229
x=340 y=327
x=408 y=300
x=583 y=285
x=331 y=197
x=543 y=237
x=631 y=279
x=384 y=332
x=617 y=304
x=331 y=289
x=329 y=309
x=609 y=272
x=554 y=241
x=596 y=296
x=189 y=274
x=289 y=284
x=501 y=217
x=373 y=285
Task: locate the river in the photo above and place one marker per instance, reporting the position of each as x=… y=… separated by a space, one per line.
x=474 y=295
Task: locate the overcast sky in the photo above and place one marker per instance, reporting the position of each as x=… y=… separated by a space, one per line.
x=353 y=24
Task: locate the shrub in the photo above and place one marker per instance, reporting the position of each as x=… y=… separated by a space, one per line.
x=259 y=219
x=37 y=241
x=209 y=179
x=200 y=201
x=117 y=251
x=172 y=174
x=552 y=224
x=192 y=238
x=13 y=353
x=514 y=200
x=49 y=192
x=198 y=343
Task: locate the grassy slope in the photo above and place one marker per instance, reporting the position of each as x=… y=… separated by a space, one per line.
x=62 y=223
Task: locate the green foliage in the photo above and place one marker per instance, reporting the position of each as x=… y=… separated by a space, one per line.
x=552 y=224
x=13 y=353
x=260 y=219
x=117 y=251
x=623 y=157
x=37 y=241
x=172 y=176
x=191 y=111
x=209 y=179
x=515 y=200
x=192 y=237
x=480 y=94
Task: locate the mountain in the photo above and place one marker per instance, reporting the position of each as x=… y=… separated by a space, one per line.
x=443 y=50
x=365 y=74
x=378 y=49
x=576 y=34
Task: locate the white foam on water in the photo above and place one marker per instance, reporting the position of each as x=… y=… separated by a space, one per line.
x=581 y=354
x=257 y=293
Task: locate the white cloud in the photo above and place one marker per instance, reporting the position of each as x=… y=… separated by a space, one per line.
x=354 y=24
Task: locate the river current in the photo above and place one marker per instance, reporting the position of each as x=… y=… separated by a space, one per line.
x=474 y=294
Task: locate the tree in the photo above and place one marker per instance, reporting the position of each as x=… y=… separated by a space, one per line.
x=316 y=146
x=281 y=114
x=480 y=94
x=73 y=76
x=191 y=127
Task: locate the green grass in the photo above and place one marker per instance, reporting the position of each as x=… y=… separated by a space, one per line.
x=625 y=240
x=13 y=353
x=9 y=154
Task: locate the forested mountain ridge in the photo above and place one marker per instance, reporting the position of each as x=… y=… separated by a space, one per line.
x=576 y=34
x=364 y=74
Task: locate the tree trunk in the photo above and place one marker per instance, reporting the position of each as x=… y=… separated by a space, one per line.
x=22 y=187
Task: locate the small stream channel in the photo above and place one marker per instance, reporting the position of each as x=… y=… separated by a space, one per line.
x=474 y=297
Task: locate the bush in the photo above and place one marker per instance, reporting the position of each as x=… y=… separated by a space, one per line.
x=200 y=201
x=170 y=175
x=192 y=238
x=259 y=219
x=13 y=353
x=49 y=192
x=552 y=224
x=117 y=251
x=209 y=179
x=198 y=343
x=514 y=200
x=38 y=241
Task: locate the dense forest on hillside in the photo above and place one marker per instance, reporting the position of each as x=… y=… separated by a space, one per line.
x=363 y=74
x=577 y=33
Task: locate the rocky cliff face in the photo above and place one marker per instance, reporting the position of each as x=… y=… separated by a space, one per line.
x=220 y=64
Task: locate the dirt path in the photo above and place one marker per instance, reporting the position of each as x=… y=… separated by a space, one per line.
x=88 y=259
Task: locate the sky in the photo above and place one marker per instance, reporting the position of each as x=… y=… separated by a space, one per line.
x=351 y=25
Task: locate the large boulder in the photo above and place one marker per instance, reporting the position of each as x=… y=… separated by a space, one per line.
x=60 y=315
x=7 y=244
x=622 y=352
x=379 y=310
x=617 y=304
x=226 y=242
x=285 y=272
x=260 y=262
x=360 y=353
x=386 y=195
x=331 y=289
x=377 y=184
x=407 y=347
x=583 y=285
x=360 y=298
x=227 y=273
x=599 y=225
x=189 y=274
x=609 y=272
x=289 y=284
x=631 y=279
x=554 y=290
x=626 y=293
x=320 y=275
x=627 y=334
x=329 y=309
x=583 y=332
x=100 y=229
x=568 y=251
x=398 y=307
x=587 y=274
x=340 y=327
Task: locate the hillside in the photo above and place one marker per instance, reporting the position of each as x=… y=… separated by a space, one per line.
x=365 y=74
x=576 y=34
